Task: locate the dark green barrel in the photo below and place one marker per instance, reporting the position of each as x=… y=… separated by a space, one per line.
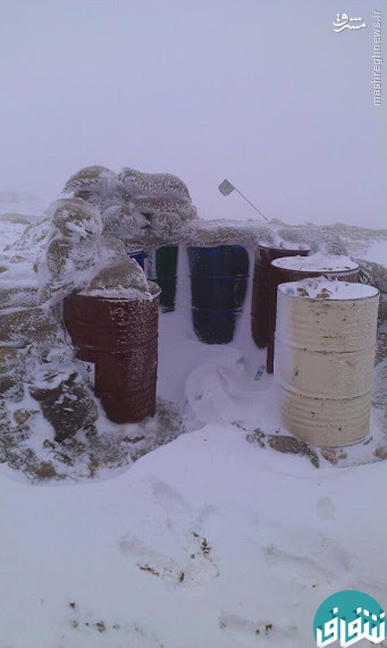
x=161 y=267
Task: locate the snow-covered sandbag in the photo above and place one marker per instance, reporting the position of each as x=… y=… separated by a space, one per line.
x=24 y=326
x=147 y=238
x=120 y=220
x=11 y=368
x=97 y=180
x=72 y=249
x=74 y=218
x=168 y=226
x=153 y=185
x=181 y=208
x=316 y=238
x=210 y=233
x=31 y=244
x=125 y=280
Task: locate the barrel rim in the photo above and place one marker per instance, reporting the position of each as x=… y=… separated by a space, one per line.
x=154 y=294
x=276 y=263
x=135 y=250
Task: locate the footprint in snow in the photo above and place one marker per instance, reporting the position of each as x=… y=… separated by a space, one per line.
x=85 y=623
x=325 y=509
x=267 y=632
x=194 y=566
x=305 y=557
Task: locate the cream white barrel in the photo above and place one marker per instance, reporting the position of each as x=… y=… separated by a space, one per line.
x=325 y=348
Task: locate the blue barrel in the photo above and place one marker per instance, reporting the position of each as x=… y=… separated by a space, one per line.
x=218 y=283
x=137 y=255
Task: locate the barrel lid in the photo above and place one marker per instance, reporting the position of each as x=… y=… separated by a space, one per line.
x=316 y=263
x=332 y=289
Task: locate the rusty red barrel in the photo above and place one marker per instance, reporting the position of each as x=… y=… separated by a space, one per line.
x=121 y=337
x=295 y=268
x=264 y=255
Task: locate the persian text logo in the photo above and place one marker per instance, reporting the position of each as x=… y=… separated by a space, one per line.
x=348 y=617
x=340 y=26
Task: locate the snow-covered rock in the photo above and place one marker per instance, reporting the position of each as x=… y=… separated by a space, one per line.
x=66 y=403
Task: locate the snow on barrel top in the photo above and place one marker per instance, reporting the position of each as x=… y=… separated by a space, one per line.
x=322 y=288
x=318 y=262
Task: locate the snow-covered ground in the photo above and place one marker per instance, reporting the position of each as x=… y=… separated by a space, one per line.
x=210 y=541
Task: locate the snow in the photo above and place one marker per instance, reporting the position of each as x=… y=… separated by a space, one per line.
x=208 y=542
x=378 y=252
x=316 y=262
x=326 y=289
x=282 y=537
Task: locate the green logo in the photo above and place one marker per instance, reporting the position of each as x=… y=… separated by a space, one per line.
x=348 y=617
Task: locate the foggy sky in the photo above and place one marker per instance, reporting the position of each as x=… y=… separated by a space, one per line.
x=261 y=92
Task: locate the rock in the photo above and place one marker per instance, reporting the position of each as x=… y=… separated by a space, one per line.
x=68 y=406
x=11 y=387
x=292 y=445
x=257 y=436
x=8 y=359
x=381 y=452
x=22 y=415
x=24 y=326
x=333 y=454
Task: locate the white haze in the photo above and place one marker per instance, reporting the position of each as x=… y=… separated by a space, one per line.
x=263 y=93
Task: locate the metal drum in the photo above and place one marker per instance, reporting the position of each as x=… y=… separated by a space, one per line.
x=264 y=255
x=325 y=349
x=136 y=254
x=296 y=268
x=161 y=267
x=120 y=336
x=219 y=278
